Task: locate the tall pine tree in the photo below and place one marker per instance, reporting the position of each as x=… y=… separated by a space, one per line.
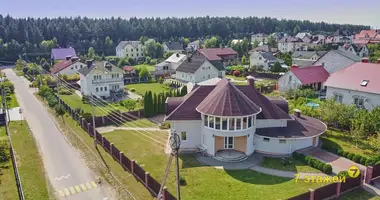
x=155 y=110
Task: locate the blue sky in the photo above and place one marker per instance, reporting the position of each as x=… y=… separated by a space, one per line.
x=333 y=11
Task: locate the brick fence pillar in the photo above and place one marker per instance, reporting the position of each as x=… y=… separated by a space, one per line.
x=111 y=147
x=147 y=179
x=88 y=129
x=133 y=167
x=338 y=187
x=368 y=174
x=121 y=158
x=164 y=191
x=362 y=178
x=311 y=194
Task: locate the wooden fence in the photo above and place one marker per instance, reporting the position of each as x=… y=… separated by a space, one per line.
x=332 y=190
x=128 y=165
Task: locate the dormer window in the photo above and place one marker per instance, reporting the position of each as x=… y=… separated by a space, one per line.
x=364 y=83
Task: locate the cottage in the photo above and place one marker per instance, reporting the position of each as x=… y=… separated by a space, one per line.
x=58 y=54
x=199 y=68
x=230 y=122
x=357 y=84
x=130 y=49
x=307 y=55
x=291 y=44
x=170 y=65
x=358 y=49
x=264 y=48
x=69 y=66
x=175 y=47
x=335 y=60
x=221 y=54
x=303 y=35
x=102 y=79
x=313 y=77
x=340 y=36
x=264 y=59
x=193 y=46
x=259 y=38
x=367 y=37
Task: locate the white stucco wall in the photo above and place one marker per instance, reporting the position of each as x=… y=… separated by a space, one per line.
x=275 y=147
x=333 y=61
x=372 y=100
x=193 y=132
x=206 y=71
x=267 y=123
x=91 y=87
x=130 y=51
x=291 y=47
x=284 y=84
x=72 y=69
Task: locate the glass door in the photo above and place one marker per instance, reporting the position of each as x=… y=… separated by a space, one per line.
x=228 y=142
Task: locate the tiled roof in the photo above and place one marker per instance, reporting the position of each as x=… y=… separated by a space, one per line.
x=61 y=53
x=302 y=62
x=172 y=46
x=342 y=33
x=268 y=56
x=218 y=65
x=191 y=65
x=303 y=126
x=366 y=33
x=175 y=57
x=128 y=68
x=226 y=100
x=313 y=74
x=62 y=65
x=102 y=64
x=289 y=40
x=303 y=54
x=122 y=44
x=187 y=109
x=216 y=53
x=349 y=55
x=351 y=77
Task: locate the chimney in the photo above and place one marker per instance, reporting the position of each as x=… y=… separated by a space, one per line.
x=297 y=113
x=294 y=66
x=189 y=59
x=364 y=60
x=378 y=61
x=323 y=64
x=73 y=59
x=177 y=55
x=251 y=80
x=68 y=57
x=89 y=63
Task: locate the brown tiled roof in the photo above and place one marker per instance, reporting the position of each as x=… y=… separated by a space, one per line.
x=187 y=109
x=62 y=65
x=299 y=127
x=226 y=100
x=280 y=102
x=217 y=53
x=172 y=103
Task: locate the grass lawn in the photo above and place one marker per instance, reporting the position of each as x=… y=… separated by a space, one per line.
x=150 y=68
x=359 y=194
x=296 y=166
x=340 y=140
x=74 y=101
x=142 y=88
x=203 y=182
x=8 y=188
x=29 y=161
x=13 y=103
x=239 y=78
x=141 y=123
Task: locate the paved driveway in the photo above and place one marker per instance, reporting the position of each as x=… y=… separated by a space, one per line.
x=338 y=163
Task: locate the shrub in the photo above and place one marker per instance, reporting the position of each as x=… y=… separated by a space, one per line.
x=340 y=152
x=87 y=116
x=356 y=158
x=85 y=99
x=350 y=156
x=182 y=181
x=327 y=169
x=133 y=90
x=343 y=174
x=363 y=160
x=52 y=100
x=4 y=151
x=345 y=153
x=66 y=91
x=165 y=125
x=236 y=73
x=370 y=162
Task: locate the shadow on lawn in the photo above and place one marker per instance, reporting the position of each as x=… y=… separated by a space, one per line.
x=257 y=178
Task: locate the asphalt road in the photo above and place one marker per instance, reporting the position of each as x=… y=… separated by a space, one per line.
x=68 y=174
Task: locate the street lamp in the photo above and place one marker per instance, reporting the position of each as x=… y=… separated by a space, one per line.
x=175 y=144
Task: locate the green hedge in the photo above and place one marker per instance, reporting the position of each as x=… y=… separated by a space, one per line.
x=313 y=162
x=352 y=156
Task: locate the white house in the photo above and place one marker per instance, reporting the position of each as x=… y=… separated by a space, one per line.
x=291 y=44
x=130 y=49
x=69 y=67
x=198 y=68
x=193 y=46
x=265 y=59
x=259 y=38
x=175 y=47
x=343 y=37
x=101 y=79
x=313 y=77
x=357 y=84
x=335 y=60
x=170 y=64
x=302 y=35
x=358 y=49
x=230 y=122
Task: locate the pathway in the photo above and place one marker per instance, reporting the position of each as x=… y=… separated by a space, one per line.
x=106 y=129
x=133 y=96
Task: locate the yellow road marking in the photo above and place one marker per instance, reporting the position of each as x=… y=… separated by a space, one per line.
x=83 y=187
x=88 y=186
x=61 y=193
x=72 y=190
x=77 y=188
x=67 y=192
x=94 y=184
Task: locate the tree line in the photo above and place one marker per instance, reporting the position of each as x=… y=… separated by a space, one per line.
x=36 y=35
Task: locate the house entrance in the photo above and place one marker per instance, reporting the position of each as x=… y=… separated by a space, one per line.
x=228 y=142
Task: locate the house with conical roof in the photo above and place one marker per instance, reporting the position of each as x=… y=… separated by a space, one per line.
x=231 y=122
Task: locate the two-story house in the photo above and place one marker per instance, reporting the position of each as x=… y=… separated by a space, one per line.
x=170 y=65
x=357 y=49
x=101 y=79
x=130 y=49
x=264 y=59
x=198 y=68
x=340 y=36
x=367 y=37
x=291 y=44
x=175 y=47
x=225 y=55
x=69 y=66
x=193 y=46
x=303 y=35
x=306 y=58
x=357 y=84
x=259 y=38
x=58 y=54
x=335 y=60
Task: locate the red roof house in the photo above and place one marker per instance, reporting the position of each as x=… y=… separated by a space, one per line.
x=218 y=53
x=68 y=66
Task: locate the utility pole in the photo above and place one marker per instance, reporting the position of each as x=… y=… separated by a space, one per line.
x=93 y=117
x=59 y=98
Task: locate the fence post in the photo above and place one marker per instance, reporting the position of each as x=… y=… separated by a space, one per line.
x=338 y=187
x=133 y=167
x=103 y=121
x=111 y=147
x=164 y=191
x=121 y=158
x=362 y=178
x=102 y=141
x=311 y=194
x=368 y=174
x=88 y=129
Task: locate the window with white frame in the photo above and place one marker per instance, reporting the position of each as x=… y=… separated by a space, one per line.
x=282 y=141
x=211 y=121
x=228 y=142
x=250 y=121
x=359 y=102
x=224 y=123
x=231 y=123
x=217 y=123
x=338 y=98
x=97 y=89
x=266 y=139
x=105 y=88
x=101 y=89
x=206 y=120
x=183 y=135
x=238 y=123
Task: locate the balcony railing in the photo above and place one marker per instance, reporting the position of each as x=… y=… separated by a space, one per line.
x=111 y=80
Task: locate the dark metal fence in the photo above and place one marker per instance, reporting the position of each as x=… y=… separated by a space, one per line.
x=376 y=171
x=325 y=191
x=154 y=185
x=116 y=153
x=304 y=196
x=350 y=183
x=126 y=163
x=140 y=172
